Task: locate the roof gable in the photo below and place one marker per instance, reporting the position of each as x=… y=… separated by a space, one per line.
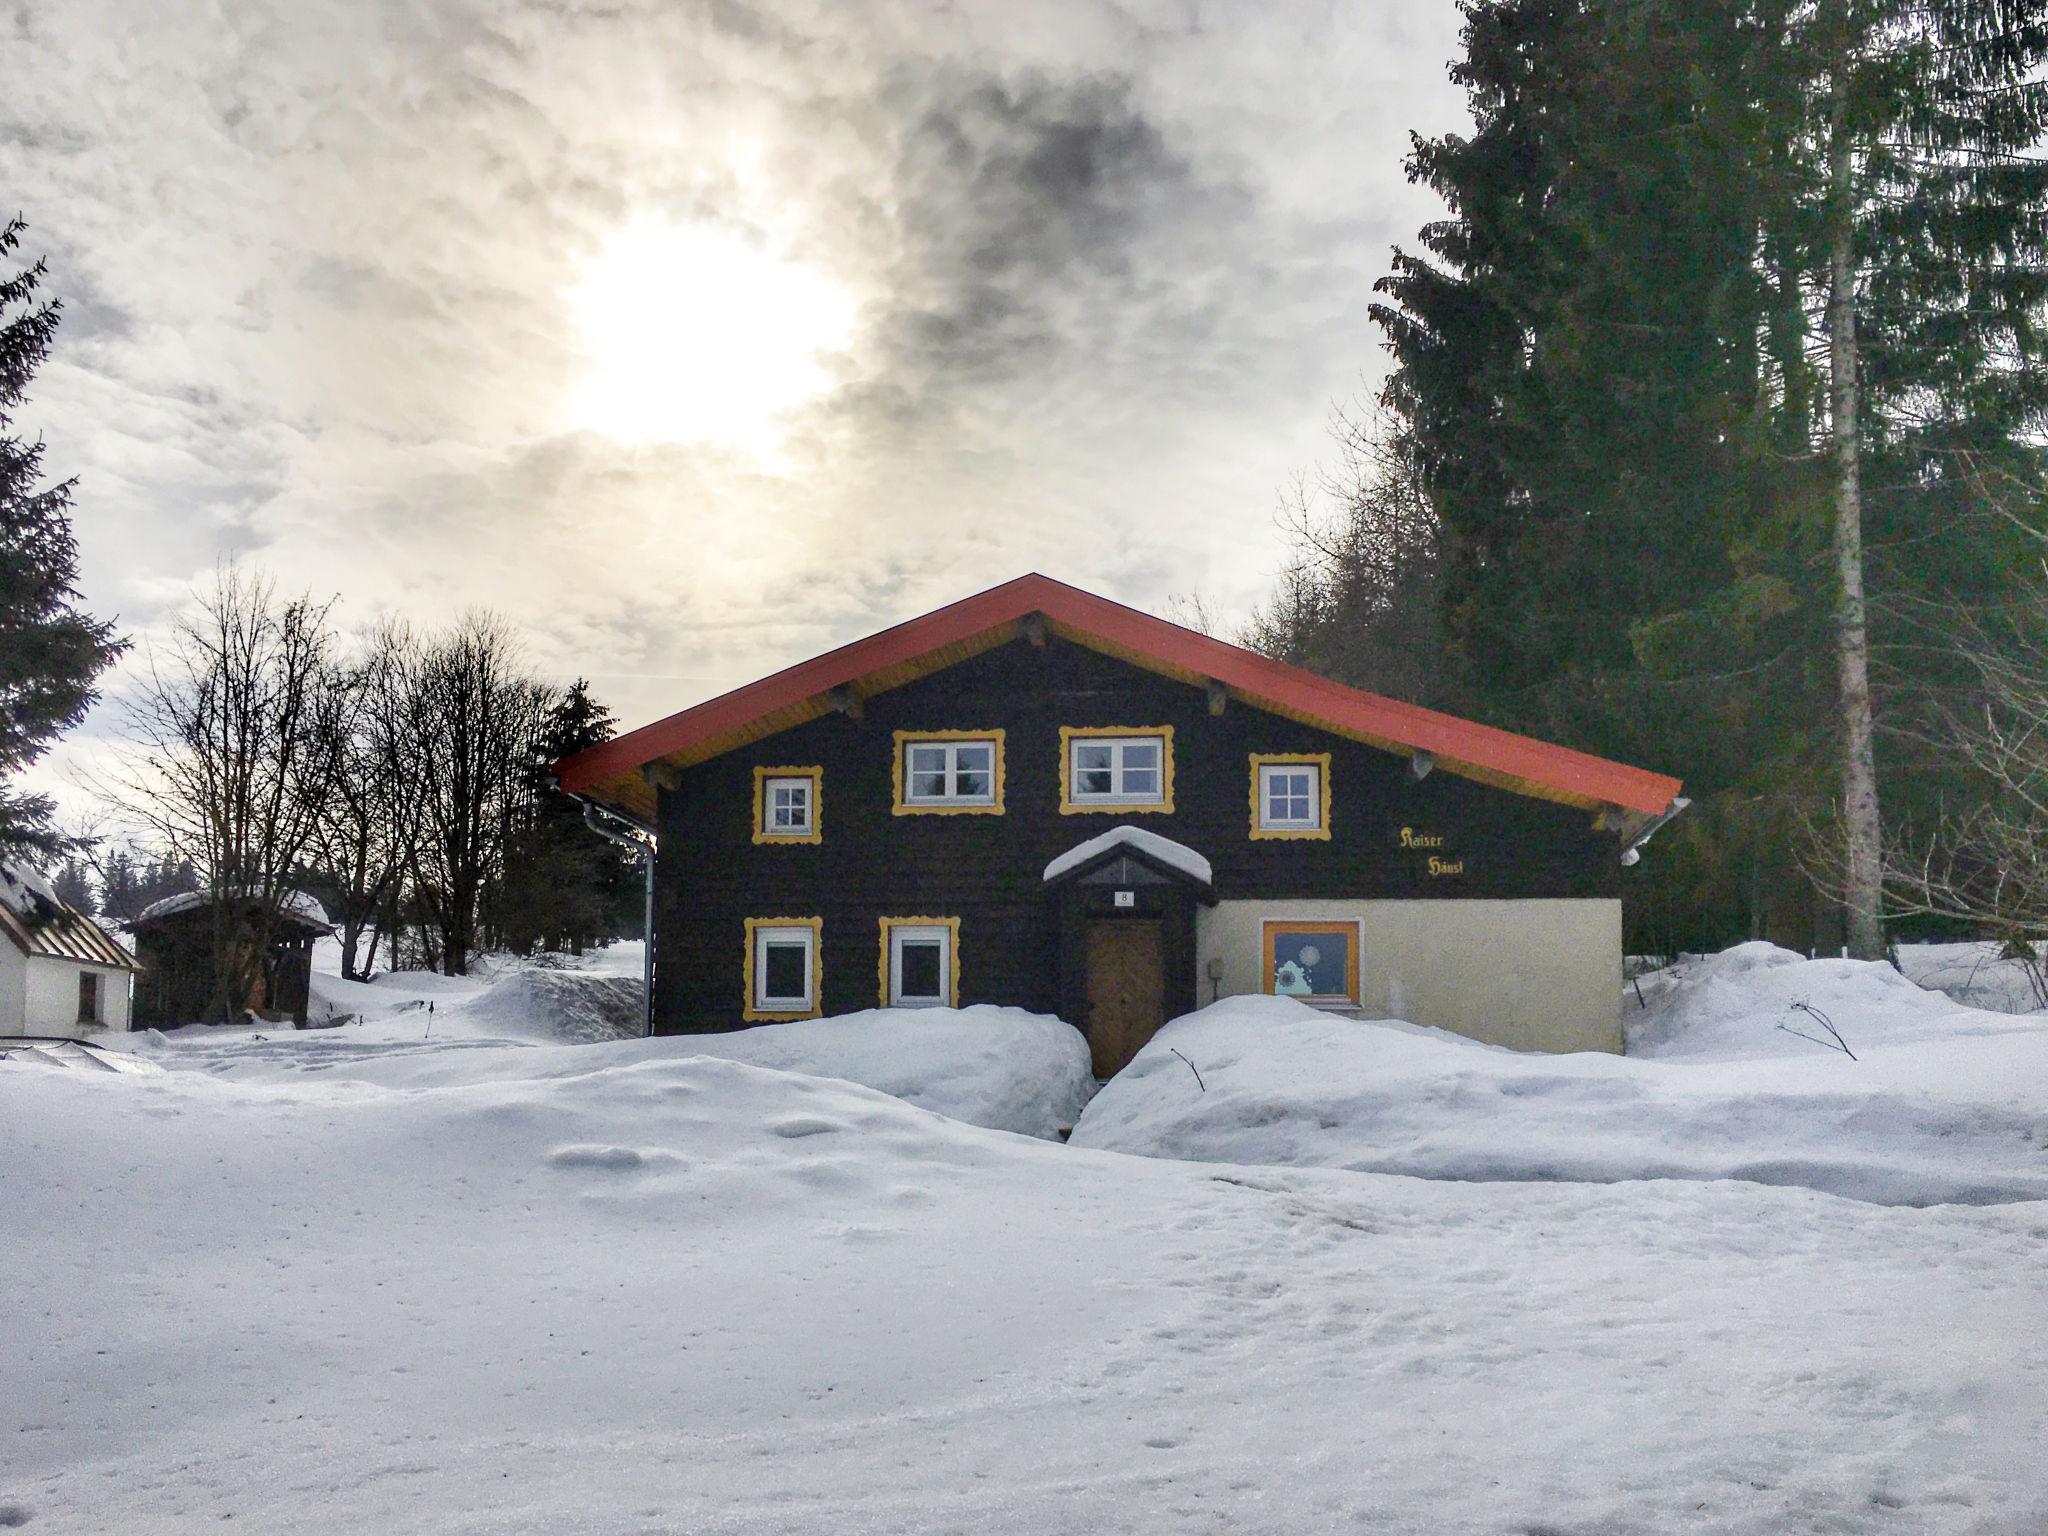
x=617 y=773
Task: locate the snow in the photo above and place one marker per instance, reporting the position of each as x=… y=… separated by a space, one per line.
x=690 y=1294
x=25 y=892
x=1173 y=855
x=458 y=1276
x=1003 y=1068
x=1976 y=974
x=1942 y=1104
x=298 y=903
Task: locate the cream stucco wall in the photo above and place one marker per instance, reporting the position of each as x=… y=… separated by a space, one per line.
x=1533 y=975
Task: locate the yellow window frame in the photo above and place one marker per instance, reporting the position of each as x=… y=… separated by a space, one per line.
x=905 y=739
x=952 y=927
x=1317 y=760
x=816 y=775
x=1069 y=734
x=754 y=1015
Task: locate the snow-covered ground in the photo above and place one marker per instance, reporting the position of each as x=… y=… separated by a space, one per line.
x=1002 y=1068
x=1940 y=1103
x=359 y=1279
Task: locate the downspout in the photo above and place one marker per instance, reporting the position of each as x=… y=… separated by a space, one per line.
x=1632 y=853
x=642 y=843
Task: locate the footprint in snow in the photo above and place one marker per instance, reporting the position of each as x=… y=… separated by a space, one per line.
x=612 y=1159
x=797 y=1126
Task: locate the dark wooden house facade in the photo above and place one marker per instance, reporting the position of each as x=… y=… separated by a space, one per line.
x=1040 y=798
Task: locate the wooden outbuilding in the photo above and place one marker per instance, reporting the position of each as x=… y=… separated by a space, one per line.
x=175 y=941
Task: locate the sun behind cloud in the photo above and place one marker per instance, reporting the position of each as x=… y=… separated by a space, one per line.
x=696 y=333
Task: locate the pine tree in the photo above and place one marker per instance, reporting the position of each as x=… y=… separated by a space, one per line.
x=50 y=651
x=1921 y=239
x=73 y=885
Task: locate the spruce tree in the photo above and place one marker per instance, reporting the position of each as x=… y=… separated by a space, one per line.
x=50 y=651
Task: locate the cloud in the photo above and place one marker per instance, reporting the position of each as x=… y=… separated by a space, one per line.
x=1111 y=262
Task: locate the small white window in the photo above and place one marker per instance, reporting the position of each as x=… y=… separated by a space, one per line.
x=785 y=965
x=1117 y=770
x=949 y=773
x=1290 y=797
x=920 y=966
x=787 y=804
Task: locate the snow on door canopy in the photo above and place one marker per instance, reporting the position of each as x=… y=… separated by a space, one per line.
x=1163 y=849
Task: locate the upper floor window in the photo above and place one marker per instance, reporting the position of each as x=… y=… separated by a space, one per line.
x=1116 y=768
x=1291 y=795
x=786 y=805
x=941 y=771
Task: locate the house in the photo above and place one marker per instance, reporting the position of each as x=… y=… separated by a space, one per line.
x=175 y=941
x=60 y=972
x=1040 y=797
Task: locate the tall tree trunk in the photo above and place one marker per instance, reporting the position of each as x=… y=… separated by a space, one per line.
x=1860 y=827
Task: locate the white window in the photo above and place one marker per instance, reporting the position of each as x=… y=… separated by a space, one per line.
x=920 y=966
x=785 y=968
x=1290 y=797
x=1117 y=770
x=949 y=773
x=787 y=804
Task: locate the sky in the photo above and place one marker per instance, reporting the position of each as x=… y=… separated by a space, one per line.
x=697 y=338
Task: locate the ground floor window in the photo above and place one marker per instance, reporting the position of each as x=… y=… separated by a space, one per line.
x=784 y=969
x=1313 y=960
x=88 y=997
x=920 y=962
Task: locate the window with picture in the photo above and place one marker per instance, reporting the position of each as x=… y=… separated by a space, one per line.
x=920 y=962
x=1313 y=960
x=783 y=968
x=949 y=771
x=1291 y=795
x=1116 y=769
x=786 y=806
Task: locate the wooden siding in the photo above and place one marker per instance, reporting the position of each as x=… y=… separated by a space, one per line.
x=711 y=876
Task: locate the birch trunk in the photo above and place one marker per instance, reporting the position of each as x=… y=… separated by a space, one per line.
x=1861 y=886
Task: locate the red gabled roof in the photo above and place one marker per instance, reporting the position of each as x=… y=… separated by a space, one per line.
x=612 y=773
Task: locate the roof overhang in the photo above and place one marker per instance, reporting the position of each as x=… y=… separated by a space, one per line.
x=623 y=773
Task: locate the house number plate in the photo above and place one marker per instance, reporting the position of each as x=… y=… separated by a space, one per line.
x=1127 y=898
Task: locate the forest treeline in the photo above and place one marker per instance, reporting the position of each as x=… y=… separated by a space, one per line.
x=1713 y=442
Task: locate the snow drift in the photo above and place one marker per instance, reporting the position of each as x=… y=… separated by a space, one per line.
x=694 y=1295
x=1941 y=1106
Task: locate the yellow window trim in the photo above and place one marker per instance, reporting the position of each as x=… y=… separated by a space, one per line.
x=755 y=1015
x=817 y=777
x=952 y=927
x=1319 y=760
x=1069 y=734
x=905 y=738
x=1351 y=927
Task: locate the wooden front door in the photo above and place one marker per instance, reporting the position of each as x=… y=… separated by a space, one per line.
x=1126 y=990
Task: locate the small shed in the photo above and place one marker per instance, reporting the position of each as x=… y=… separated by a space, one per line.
x=175 y=942
x=60 y=972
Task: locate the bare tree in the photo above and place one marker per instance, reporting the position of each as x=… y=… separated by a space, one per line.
x=473 y=719
x=230 y=756
x=367 y=835
x=1360 y=601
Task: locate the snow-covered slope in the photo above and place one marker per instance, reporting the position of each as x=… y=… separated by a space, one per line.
x=695 y=1295
x=1941 y=1104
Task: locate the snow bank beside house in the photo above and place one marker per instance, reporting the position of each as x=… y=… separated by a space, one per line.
x=1001 y=1068
x=686 y=1294
x=1945 y=1104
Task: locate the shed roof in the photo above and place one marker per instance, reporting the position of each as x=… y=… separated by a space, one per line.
x=616 y=773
